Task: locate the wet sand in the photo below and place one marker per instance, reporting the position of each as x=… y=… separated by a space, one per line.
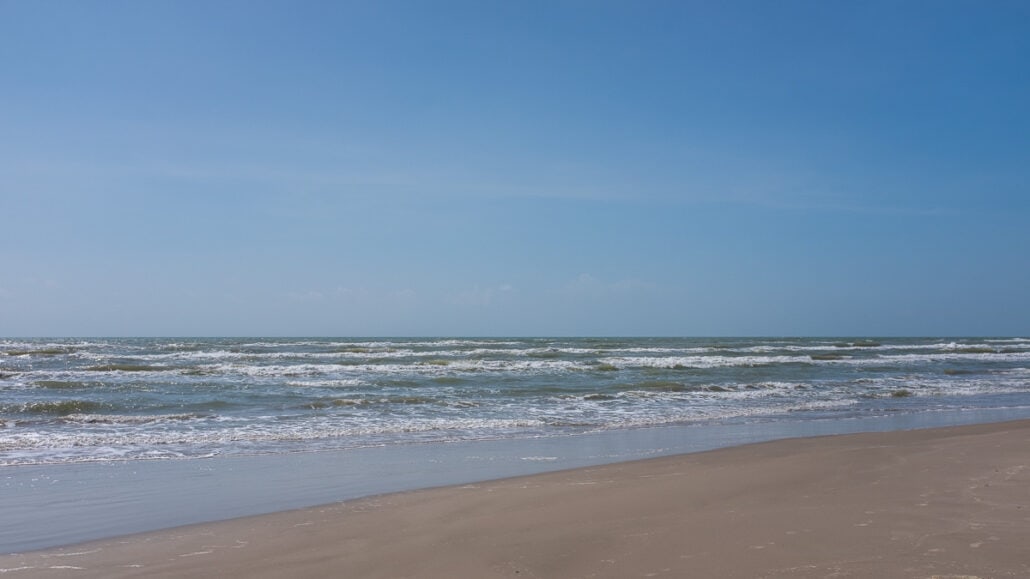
x=947 y=502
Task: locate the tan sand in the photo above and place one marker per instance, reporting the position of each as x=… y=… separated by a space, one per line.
x=949 y=503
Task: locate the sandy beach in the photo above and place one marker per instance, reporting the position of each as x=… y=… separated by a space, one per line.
x=947 y=502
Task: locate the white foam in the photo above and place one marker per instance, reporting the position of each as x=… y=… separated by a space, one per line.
x=672 y=362
x=338 y=383
x=897 y=359
x=128 y=419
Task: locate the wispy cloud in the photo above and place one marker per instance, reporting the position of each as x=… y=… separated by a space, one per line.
x=479 y=296
x=586 y=284
x=360 y=296
x=306 y=296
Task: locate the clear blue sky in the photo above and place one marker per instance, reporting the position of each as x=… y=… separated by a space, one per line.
x=514 y=168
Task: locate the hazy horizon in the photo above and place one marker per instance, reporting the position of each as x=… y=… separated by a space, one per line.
x=503 y=337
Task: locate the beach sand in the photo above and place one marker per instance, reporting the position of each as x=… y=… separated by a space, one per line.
x=948 y=502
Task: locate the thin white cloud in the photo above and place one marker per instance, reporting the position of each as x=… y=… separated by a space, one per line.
x=586 y=284
x=482 y=296
x=406 y=294
x=358 y=295
x=307 y=296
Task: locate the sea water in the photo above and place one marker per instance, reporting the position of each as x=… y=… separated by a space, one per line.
x=103 y=437
x=82 y=400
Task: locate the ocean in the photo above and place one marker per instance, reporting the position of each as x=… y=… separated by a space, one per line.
x=103 y=399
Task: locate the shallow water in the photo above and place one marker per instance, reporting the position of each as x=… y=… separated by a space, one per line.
x=61 y=504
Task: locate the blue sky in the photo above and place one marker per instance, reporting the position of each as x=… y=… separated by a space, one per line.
x=514 y=168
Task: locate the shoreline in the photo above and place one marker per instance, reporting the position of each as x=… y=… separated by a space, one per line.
x=912 y=503
x=48 y=506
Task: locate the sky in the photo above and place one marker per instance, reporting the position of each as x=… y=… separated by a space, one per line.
x=529 y=168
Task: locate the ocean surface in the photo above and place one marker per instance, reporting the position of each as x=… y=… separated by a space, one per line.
x=100 y=400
